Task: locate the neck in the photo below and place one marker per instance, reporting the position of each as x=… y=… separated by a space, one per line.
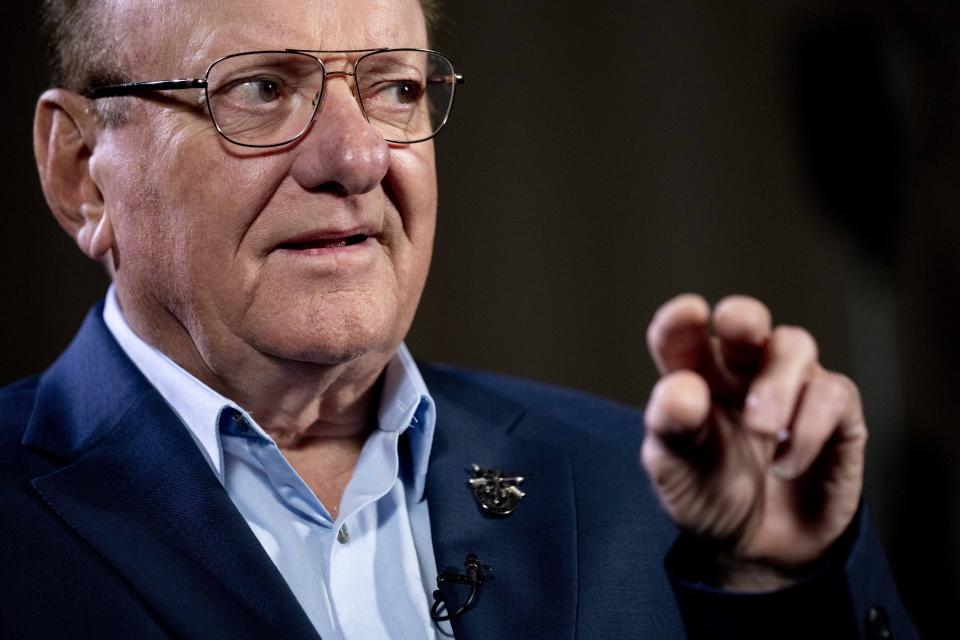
x=296 y=402
x=319 y=403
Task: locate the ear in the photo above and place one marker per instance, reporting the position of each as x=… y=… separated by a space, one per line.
x=65 y=130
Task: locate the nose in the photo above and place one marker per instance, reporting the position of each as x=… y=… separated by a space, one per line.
x=341 y=152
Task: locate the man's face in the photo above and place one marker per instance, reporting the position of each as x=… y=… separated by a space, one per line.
x=244 y=250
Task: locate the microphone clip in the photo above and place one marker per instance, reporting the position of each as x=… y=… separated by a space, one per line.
x=474 y=575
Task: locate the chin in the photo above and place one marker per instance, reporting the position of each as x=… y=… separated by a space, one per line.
x=331 y=333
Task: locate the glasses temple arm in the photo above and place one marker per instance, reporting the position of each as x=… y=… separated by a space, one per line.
x=126 y=89
x=454 y=79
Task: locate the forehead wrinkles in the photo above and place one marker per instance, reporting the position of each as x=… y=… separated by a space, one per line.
x=312 y=24
x=164 y=38
x=382 y=23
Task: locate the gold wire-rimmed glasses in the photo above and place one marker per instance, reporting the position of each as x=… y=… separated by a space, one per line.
x=270 y=98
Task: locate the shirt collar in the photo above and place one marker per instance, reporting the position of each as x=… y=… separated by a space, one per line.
x=406 y=405
x=405 y=402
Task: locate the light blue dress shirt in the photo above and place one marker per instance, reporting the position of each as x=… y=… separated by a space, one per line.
x=368 y=573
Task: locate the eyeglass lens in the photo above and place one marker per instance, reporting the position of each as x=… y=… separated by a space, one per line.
x=269 y=98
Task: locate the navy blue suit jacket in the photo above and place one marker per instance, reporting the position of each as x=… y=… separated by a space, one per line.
x=114 y=526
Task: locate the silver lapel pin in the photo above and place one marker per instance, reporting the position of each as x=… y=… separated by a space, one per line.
x=497 y=494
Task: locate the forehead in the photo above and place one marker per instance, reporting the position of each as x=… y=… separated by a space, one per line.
x=164 y=36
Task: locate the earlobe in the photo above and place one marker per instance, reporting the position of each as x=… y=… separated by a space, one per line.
x=64 y=137
x=95 y=235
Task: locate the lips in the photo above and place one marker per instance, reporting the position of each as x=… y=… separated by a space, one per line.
x=327 y=239
x=336 y=242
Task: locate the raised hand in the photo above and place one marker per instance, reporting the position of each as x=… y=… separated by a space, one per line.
x=750 y=443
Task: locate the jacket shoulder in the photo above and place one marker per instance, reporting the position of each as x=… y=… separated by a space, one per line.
x=16 y=405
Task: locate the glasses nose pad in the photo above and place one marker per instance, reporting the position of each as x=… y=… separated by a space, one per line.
x=316 y=99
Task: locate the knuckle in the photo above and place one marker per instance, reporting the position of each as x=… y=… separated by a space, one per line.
x=842 y=397
x=840 y=389
x=854 y=402
x=830 y=389
x=853 y=392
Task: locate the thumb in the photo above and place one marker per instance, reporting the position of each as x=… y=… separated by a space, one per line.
x=676 y=425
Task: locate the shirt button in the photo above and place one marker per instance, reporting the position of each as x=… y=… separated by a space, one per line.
x=343 y=536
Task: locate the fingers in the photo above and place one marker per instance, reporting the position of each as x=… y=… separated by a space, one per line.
x=676 y=418
x=830 y=402
x=742 y=326
x=749 y=441
x=679 y=406
x=790 y=359
x=744 y=362
x=678 y=334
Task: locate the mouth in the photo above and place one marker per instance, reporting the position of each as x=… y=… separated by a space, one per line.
x=324 y=243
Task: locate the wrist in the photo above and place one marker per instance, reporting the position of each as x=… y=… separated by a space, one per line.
x=753 y=576
x=708 y=562
x=720 y=565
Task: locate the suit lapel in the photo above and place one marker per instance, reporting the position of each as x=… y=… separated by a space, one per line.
x=138 y=491
x=535 y=546
x=135 y=487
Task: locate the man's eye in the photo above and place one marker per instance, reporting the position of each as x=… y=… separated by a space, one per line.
x=405 y=91
x=408 y=91
x=255 y=91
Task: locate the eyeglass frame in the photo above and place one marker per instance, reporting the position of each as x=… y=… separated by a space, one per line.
x=134 y=88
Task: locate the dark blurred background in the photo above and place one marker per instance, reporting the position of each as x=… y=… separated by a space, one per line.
x=605 y=156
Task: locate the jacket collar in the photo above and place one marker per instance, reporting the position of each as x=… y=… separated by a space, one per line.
x=532 y=591
x=137 y=489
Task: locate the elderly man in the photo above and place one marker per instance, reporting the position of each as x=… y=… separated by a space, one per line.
x=237 y=443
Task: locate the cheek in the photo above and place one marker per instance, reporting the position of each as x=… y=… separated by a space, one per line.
x=182 y=205
x=412 y=185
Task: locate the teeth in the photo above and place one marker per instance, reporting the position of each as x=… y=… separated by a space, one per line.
x=327 y=244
